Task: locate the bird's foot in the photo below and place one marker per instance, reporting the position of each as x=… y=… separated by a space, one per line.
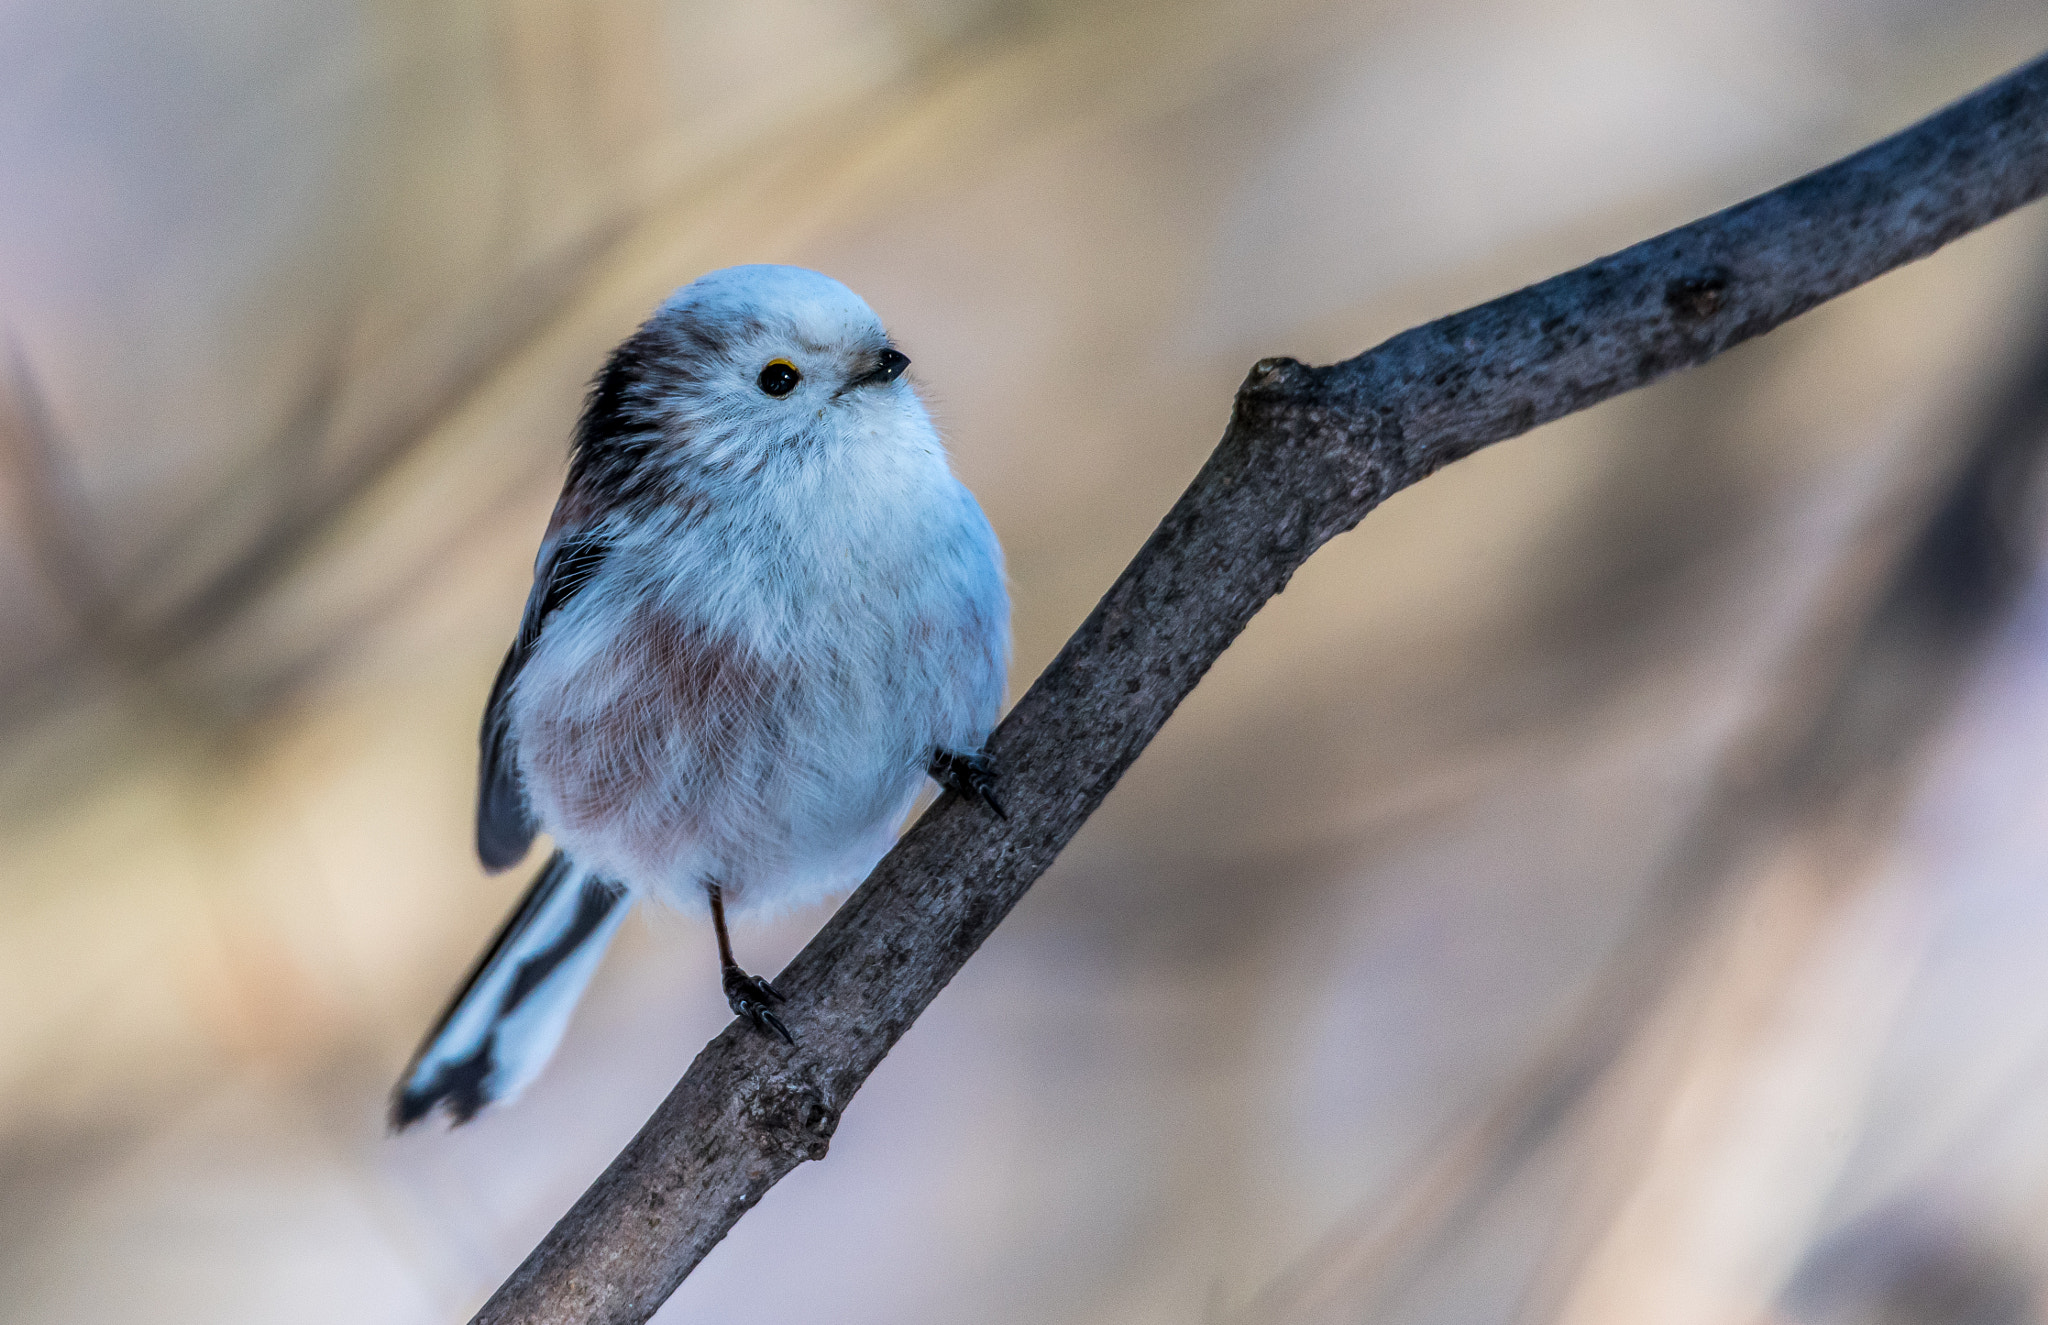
x=973 y=776
x=751 y=997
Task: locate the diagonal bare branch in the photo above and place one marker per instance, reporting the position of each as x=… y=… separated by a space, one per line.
x=1866 y=684
x=1308 y=452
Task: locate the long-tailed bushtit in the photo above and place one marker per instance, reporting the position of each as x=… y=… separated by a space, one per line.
x=763 y=612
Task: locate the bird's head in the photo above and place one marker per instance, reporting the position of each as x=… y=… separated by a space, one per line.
x=744 y=370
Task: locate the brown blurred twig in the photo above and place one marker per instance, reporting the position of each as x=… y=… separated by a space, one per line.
x=54 y=512
x=114 y=628
x=1308 y=452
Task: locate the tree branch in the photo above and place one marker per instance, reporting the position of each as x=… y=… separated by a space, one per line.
x=1914 y=604
x=1308 y=452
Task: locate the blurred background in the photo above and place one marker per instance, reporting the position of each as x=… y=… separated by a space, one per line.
x=1611 y=885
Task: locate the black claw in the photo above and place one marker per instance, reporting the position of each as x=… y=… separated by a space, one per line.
x=749 y=996
x=972 y=776
x=768 y=1021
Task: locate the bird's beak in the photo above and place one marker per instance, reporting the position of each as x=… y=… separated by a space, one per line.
x=889 y=366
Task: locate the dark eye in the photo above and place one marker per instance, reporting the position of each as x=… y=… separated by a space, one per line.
x=779 y=378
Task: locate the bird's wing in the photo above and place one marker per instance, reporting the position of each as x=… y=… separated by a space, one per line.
x=504 y=821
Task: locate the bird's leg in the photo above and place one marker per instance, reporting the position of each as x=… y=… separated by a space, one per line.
x=973 y=776
x=749 y=996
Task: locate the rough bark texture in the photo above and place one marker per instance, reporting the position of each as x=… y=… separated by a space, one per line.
x=1307 y=453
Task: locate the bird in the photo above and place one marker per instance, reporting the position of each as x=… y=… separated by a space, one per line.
x=763 y=614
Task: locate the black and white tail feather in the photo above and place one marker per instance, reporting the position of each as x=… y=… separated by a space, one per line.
x=507 y=1018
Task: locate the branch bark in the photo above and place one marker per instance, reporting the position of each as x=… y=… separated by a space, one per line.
x=1307 y=453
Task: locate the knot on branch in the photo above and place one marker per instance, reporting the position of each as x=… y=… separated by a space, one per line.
x=791 y=1117
x=1269 y=373
x=1696 y=297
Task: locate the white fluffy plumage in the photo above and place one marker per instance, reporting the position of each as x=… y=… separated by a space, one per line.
x=761 y=610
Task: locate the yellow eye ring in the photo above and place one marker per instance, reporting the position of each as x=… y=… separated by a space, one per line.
x=779 y=378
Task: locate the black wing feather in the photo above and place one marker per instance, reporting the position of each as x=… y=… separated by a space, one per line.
x=504 y=821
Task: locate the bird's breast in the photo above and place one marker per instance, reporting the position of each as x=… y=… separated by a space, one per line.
x=611 y=720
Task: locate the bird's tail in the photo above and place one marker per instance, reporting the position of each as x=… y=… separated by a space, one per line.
x=505 y=1021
